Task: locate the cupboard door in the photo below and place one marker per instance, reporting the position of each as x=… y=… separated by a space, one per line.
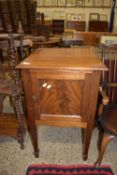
x=61 y=97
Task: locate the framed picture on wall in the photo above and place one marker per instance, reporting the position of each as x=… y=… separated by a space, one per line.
x=74 y=17
x=79 y=3
x=68 y=16
x=50 y=2
x=62 y=3
x=47 y=16
x=106 y=3
x=94 y=16
x=81 y=17
x=39 y=2
x=98 y=3
x=103 y=17
x=88 y=3
x=47 y=2
x=70 y=3
x=58 y=15
x=54 y=2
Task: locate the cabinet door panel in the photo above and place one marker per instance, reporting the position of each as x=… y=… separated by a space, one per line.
x=60 y=96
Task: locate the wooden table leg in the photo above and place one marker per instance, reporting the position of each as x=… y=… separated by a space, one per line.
x=34 y=139
x=86 y=142
x=91 y=113
x=32 y=128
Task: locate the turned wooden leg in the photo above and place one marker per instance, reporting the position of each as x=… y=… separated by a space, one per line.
x=21 y=130
x=1 y=102
x=106 y=138
x=100 y=135
x=23 y=105
x=1 y=56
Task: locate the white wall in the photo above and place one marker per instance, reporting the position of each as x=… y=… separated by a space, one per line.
x=51 y=12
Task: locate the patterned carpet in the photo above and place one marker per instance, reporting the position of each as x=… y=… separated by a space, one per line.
x=50 y=169
x=57 y=146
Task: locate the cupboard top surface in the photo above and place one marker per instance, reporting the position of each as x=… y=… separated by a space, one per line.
x=63 y=58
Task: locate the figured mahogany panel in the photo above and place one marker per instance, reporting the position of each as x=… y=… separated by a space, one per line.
x=60 y=96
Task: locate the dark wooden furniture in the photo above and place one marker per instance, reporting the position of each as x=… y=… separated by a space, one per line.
x=13 y=11
x=42 y=30
x=16 y=48
x=47 y=44
x=23 y=45
x=57 y=26
x=40 y=41
x=76 y=25
x=11 y=124
x=63 y=90
x=91 y=38
x=40 y=18
x=98 y=26
x=108 y=97
x=109 y=57
x=108 y=121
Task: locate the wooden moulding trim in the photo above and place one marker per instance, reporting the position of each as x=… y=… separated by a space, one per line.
x=62 y=123
x=65 y=75
x=61 y=120
x=59 y=117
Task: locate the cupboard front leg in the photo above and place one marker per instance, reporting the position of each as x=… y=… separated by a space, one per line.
x=86 y=143
x=34 y=138
x=32 y=128
x=94 y=80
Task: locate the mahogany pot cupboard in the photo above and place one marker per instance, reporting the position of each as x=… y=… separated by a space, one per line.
x=61 y=89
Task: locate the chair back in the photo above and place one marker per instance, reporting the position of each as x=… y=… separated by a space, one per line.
x=108 y=46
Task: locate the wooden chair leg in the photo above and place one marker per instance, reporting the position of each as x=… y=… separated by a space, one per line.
x=1 y=102
x=100 y=135
x=106 y=138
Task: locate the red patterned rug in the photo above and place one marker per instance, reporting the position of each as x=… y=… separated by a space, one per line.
x=68 y=170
